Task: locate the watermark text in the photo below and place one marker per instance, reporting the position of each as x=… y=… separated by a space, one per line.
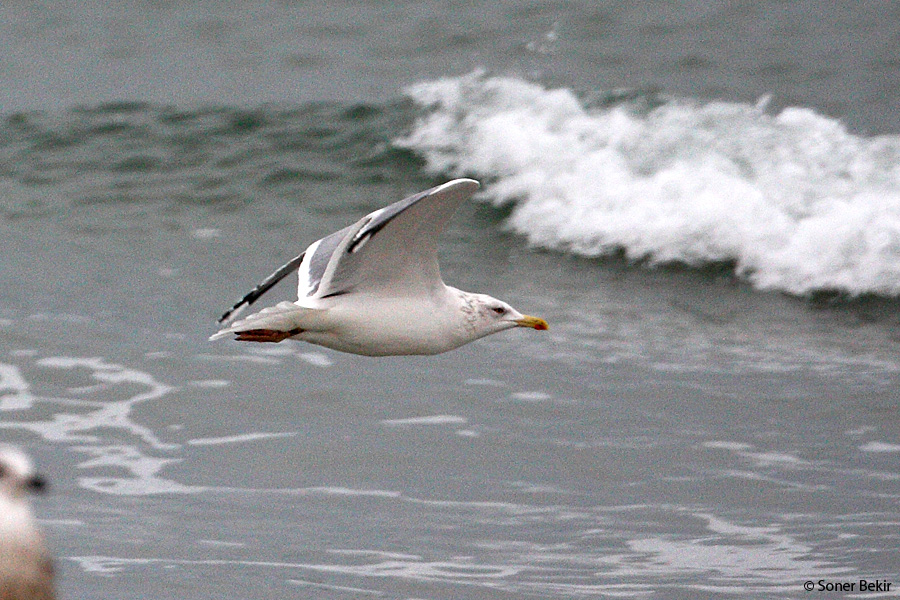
x=856 y=585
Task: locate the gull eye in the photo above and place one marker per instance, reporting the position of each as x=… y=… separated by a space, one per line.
x=499 y=310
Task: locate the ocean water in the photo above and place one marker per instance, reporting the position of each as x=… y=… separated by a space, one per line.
x=701 y=198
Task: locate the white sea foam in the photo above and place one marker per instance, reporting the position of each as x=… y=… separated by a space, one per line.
x=429 y=420
x=794 y=200
x=762 y=459
x=18 y=395
x=880 y=447
x=531 y=396
x=240 y=439
x=85 y=417
x=316 y=359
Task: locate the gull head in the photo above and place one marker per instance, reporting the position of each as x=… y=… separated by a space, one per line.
x=17 y=475
x=487 y=315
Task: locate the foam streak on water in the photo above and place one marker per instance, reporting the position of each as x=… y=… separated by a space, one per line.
x=732 y=559
x=794 y=200
x=85 y=416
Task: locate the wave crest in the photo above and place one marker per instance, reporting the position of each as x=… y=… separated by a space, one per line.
x=795 y=201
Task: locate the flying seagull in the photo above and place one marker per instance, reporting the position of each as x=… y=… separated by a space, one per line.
x=26 y=569
x=375 y=288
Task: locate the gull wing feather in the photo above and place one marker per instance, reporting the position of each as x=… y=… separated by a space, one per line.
x=393 y=248
x=264 y=286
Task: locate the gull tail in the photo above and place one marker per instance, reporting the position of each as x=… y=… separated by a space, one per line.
x=284 y=316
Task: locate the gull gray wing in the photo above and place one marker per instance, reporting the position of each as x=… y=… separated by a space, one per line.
x=311 y=265
x=392 y=248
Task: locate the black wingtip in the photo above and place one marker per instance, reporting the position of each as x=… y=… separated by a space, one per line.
x=230 y=312
x=241 y=304
x=263 y=287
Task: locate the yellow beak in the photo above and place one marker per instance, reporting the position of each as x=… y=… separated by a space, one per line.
x=533 y=322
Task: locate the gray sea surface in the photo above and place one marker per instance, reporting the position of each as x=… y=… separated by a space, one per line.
x=678 y=433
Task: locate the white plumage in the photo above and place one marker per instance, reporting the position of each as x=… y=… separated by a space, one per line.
x=26 y=569
x=375 y=287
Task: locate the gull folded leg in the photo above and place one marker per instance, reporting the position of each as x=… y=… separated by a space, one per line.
x=265 y=335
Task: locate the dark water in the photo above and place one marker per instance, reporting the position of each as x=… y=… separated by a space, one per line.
x=678 y=433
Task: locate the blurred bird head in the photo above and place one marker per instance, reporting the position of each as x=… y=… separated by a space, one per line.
x=17 y=475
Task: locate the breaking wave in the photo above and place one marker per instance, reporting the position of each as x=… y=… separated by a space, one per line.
x=793 y=200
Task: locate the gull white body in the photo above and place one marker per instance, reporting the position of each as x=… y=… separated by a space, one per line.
x=375 y=326
x=374 y=288
x=26 y=571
